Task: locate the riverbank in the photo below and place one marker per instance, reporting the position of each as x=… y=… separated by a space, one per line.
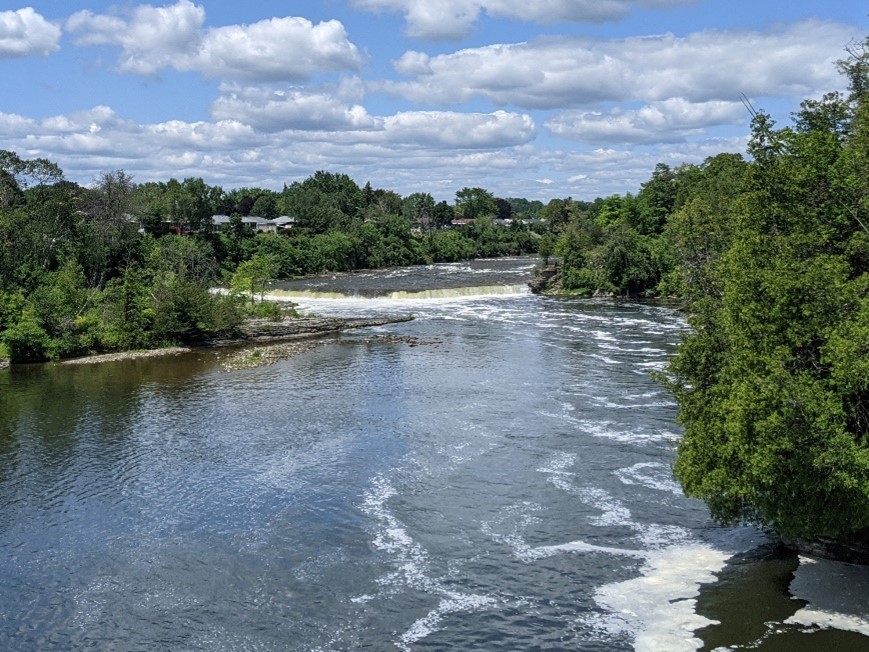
x=253 y=331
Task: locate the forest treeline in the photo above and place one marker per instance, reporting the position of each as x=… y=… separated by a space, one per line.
x=121 y=265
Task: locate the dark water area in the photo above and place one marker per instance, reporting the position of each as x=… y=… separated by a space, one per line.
x=495 y=478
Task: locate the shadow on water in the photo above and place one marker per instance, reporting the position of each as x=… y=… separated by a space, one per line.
x=751 y=602
x=45 y=409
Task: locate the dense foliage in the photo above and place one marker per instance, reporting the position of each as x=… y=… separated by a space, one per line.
x=120 y=266
x=773 y=381
x=770 y=257
x=648 y=244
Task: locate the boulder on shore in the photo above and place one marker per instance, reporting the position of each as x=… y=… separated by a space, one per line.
x=545 y=279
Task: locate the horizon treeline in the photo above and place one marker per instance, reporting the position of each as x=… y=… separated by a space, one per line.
x=121 y=265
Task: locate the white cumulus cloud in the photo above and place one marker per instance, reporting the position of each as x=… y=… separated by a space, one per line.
x=461 y=130
x=671 y=120
x=792 y=60
x=25 y=33
x=272 y=110
x=277 y=49
x=453 y=19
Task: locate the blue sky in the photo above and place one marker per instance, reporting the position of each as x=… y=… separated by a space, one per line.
x=527 y=98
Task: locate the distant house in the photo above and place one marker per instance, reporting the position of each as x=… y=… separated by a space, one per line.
x=259 y=224
x=284 y=222
x=219 y=222
x=254 y=223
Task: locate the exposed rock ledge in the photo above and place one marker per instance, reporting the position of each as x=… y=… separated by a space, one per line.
x=262 y=330
x=4 y=362
x=850 y=553
x=257 y=331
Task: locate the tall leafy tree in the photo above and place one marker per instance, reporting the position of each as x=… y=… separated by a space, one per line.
x=655 y=200
x=472 y=203
x=323 y=202
x=773 y=382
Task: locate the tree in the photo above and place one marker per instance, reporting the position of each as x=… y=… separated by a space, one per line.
x=625 y=261
x=26 y=173
x=191 y=203
x=238 y=239
x=773 y=381
x=505 y=209
x=419 y=208
x=443 y=215
x=266 y=205
x=524 y=209
x=253 y=275
x=472 y=203
x=545 y=248
x=656 y=199
x=557 y=213
x=382 y=203
x=323 y=202
x=109 y=228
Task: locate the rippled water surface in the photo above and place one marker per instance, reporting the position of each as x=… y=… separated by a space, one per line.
x=496 y=478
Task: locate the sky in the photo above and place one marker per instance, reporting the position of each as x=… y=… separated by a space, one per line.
x=538 y=99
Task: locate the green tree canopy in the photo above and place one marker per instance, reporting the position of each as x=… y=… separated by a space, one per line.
x=773 y=381
x=472 y=203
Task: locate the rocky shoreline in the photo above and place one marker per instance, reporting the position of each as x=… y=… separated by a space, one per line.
x=254 y=331
x=850 y=552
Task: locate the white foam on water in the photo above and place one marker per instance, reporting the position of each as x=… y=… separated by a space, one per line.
x=541 y=552
x=605 y=402
x=658 y=537
x=337 y=303
x=603 y=358
x=603 y=336
x=556 y=473
x=657 y=365
x=461 y=292
x=429 y=624
x=830 y=587
x=613 y=512
x=657 y=608
x=651 y=394
x=653 y=475
x=646 y=350
x=616 y=431
x=559 y=462
x=605 y=429
x=411 y=564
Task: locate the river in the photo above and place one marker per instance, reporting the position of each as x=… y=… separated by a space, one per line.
x=493 y=475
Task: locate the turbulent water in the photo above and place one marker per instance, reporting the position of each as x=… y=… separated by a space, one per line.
x=493 y=475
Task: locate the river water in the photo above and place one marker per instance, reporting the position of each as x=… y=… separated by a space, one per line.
x=493 y=475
